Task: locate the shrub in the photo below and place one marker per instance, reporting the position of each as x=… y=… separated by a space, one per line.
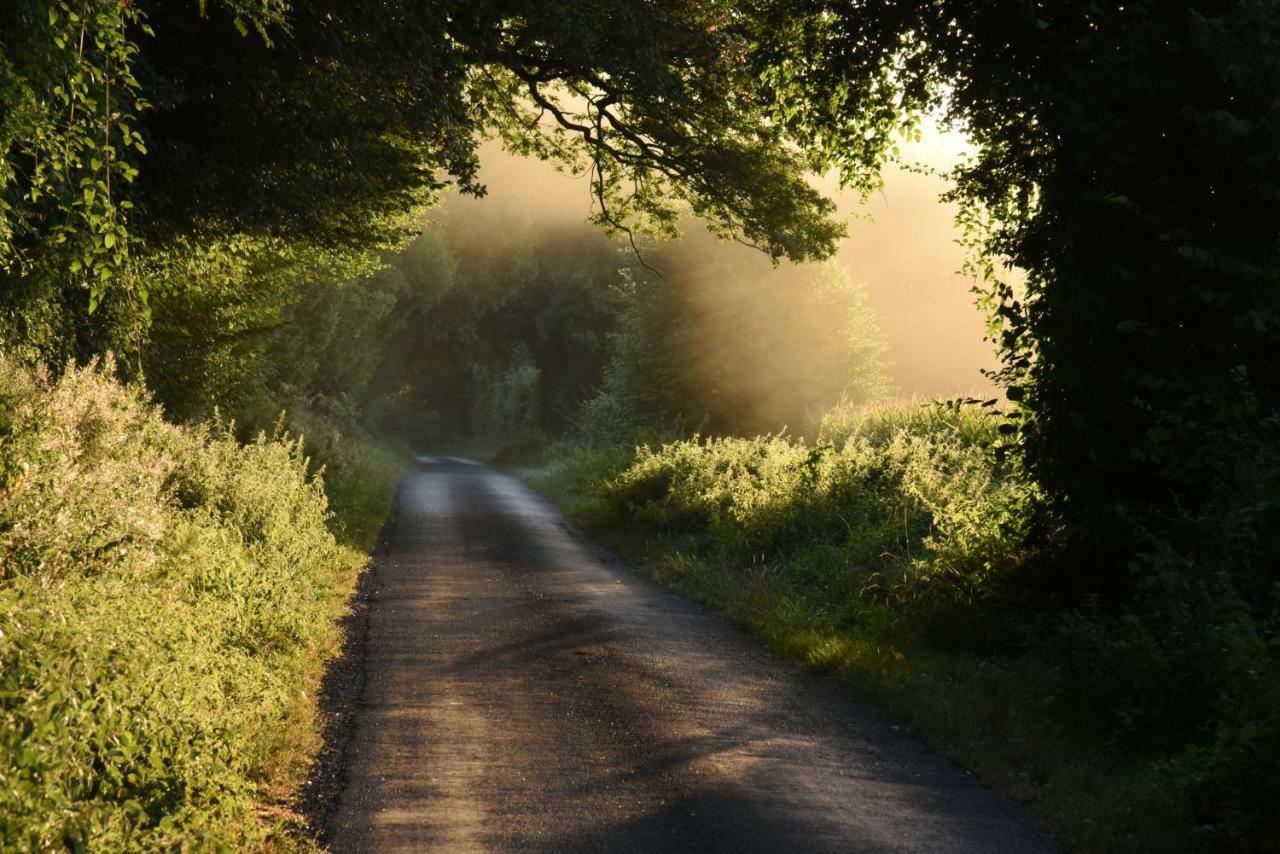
x=165 y=595
x=359 y=472
x=918 y=513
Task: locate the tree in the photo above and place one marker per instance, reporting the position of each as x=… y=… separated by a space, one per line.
x=320 y=127
x=1127 y=160
x=716 y=339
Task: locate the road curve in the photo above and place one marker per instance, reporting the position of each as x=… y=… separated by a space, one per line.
x=522 y=692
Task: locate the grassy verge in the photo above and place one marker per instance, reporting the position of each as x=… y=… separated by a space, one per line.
x=881 y=555
x=168 y=598
x=359 y=473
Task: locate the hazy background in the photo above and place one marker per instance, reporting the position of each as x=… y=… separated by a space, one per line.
x=901 y=246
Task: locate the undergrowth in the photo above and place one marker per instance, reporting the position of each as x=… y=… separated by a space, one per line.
x=168 y=597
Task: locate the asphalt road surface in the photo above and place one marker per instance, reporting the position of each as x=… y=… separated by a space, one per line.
x=522 y=691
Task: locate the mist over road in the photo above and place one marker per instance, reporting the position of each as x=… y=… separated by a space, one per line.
x=522 y=691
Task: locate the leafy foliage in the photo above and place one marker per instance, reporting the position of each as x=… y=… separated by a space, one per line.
x=882 y=505
x=310 y=134
x=1137 y=191
x=71 y=98
x=165 y=594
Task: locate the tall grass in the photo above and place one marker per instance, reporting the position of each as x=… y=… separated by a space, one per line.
x=167 y=598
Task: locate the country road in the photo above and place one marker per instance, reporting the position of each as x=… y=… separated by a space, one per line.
x=521 y=691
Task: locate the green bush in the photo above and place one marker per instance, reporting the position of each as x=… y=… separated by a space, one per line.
x=907 y=504
x=165 y=596
x=359 y=472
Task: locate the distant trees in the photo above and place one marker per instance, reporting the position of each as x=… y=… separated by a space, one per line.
x=510 y=332
x=136 y=136
x=715 y=339
x=496 y=328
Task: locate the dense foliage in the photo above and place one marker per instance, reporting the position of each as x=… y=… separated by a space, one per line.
x=166 y=596
x=512 y=330
x=1126 y=159
x=900 y=509
x=159 y=157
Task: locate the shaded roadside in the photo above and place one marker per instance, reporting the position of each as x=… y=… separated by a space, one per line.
x=341 y=691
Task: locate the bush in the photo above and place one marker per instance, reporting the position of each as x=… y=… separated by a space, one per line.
x=908 y=504
x=359 y=472
x=165 y=596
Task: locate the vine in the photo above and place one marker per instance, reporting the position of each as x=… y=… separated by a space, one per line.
x=70 y=149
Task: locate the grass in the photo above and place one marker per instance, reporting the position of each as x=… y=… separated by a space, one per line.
x=879 y=555
x=992 y=714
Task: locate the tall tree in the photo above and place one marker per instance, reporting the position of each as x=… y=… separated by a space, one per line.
x=1128 y=161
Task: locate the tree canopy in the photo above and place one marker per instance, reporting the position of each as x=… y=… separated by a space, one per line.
x=329 y=119
x=1126 y=159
